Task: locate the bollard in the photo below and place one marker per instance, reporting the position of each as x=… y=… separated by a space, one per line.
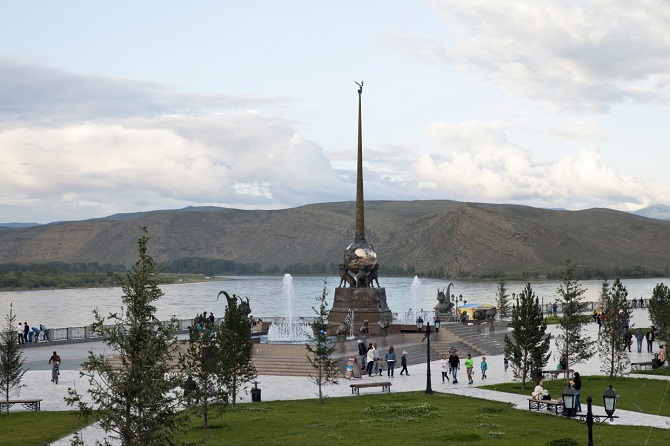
x=256 y=393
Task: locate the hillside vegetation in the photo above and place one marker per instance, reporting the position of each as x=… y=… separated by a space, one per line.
x=429 y=238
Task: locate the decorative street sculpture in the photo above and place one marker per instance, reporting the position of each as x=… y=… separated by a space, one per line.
x=364 y=331
x=384 y=325
x=373 y=275
x=444 y=305
x=345 y=277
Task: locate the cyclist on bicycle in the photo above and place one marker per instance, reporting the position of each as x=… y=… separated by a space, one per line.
x=55 y=359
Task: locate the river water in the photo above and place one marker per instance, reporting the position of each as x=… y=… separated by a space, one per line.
x=74 y=307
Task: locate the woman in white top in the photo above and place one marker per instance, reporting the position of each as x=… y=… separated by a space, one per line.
x=538 y=392
x=371 y=359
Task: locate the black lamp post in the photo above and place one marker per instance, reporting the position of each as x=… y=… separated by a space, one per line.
x=419 y=325
x=437 y=324
x=568 y=400
x=609 y=399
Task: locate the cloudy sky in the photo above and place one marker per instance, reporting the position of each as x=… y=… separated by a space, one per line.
x=125 y=106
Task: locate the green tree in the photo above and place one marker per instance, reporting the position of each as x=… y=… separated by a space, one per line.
x=325 y=367
x=11 y=359
x=237 y=367
x=529 y=343
x=201 y=363
x=573 y=343
x=613 y=336
x=502 y=299
x=659 y=313
x=134 y=401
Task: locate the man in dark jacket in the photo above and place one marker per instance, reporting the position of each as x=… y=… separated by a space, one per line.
x=650 y=339
x=362 y=352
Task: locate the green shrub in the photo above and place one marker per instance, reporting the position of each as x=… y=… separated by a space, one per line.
x=563 y=442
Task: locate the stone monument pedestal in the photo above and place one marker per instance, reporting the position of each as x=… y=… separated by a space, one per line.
x=366 y=303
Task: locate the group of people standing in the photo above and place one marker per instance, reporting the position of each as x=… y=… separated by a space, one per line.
x=650 y=336
x=451 y=366
x=29 y=334
x=373 y=362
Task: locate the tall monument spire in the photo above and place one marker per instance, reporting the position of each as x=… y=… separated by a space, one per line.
x=360 y=269
x=360 y=255
x=360 y=212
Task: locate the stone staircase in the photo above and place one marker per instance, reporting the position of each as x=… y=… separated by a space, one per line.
x=480 y=339
x=293 y=366
x=291 y=359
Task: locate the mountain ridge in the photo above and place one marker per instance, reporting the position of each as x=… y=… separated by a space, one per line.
x=453 y=238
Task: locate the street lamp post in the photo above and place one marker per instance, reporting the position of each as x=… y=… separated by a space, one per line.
x=455 y=301
x=419 y=325
x=609 y=399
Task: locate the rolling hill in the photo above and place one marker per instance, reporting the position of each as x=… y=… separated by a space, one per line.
x=452 y=238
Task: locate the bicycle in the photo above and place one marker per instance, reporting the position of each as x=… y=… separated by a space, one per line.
x=55 y=372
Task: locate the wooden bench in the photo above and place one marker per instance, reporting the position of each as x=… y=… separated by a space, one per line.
x=385 y=385
x=28 y=404
x=641 y=365
x=555 y=372
x=551 y=405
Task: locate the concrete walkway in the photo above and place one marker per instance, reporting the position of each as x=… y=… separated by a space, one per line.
x=294 y=388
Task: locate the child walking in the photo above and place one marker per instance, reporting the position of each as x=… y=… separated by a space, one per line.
x=469 y=365
x=444 y=367
x=484 y=367
x=403 y=363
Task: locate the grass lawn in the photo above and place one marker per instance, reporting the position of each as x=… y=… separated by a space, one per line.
x=374 y=418
x=662 y=371
x=405 y=418
x=637 y=394
x=37 y=428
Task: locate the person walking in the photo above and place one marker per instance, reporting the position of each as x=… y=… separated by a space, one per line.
x=650 y=339
x=403 y=363
x=639 y=336
x=390 y=361
x=469 y=365
x=455 y=365
x=484 y=366
x=376 y=359
x=444 y=367
x=505 y=363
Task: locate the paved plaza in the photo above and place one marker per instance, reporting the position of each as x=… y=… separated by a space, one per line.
x=273 y=388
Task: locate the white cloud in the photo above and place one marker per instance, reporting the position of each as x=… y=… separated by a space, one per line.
x=478 y=161
x=48 y=96
x=573 y=56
